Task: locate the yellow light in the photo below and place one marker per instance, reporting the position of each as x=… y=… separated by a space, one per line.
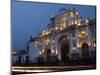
x=59 y=57
x=53 y=41
x=71 y=14
x=83 y=32
x=62 y=25
x=79 y=35
x=36 y=42
x=79 y=24
x=43 y=51
x=47 y=32
x=48 y=40
x=67 y=37
x=56 y=51
x=61 y=29
x=89 y=43
x=94 y=45
x=78 y=46
x=75 y=22
x=43 y=33
x=53 y=51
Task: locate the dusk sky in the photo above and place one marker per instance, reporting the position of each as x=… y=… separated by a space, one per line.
x=30 y=18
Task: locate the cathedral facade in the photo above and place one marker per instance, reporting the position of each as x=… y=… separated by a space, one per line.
x=68 y=36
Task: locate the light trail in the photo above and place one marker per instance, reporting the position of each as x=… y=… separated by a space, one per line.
x=37 y=69
x=32 y=70
x=55 y=66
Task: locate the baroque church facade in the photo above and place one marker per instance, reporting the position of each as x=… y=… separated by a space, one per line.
x=68 y=36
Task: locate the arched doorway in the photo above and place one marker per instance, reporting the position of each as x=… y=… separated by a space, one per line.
x=64 y=48
x=48 y=52
x=85 y=51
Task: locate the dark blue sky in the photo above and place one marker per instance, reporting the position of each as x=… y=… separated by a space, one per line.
x=29 y=18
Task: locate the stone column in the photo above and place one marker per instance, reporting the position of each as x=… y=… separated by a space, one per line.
x=89 y=40
x=77 y=43
x=70 y=44
x=58 y=47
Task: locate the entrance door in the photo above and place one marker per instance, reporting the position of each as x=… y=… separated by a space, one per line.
x=85 y=51
x=65 y=51
x=48 y=54
x=64 y=47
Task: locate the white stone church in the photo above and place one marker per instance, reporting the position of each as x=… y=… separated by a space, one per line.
x=68 y=36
